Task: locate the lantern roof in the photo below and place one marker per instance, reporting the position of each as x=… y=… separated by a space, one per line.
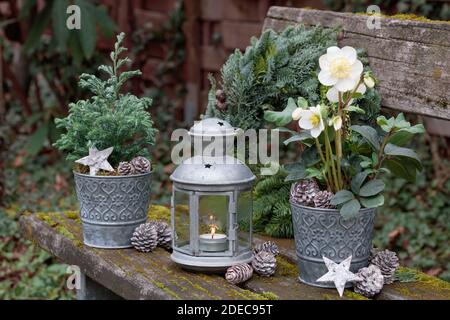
x=212 y=127
x=201 y=170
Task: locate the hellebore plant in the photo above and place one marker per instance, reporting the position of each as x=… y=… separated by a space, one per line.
x=347 y=159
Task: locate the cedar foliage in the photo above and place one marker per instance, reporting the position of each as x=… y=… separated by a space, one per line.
x=108 y=118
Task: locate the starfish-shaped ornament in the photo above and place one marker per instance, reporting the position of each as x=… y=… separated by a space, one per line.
x=97 y=160
x=340 y=274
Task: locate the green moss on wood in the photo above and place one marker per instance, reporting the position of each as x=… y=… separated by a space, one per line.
x=55 y=221
x=45 y=217
x=353 y=295
x=285 y=268
x=403 y=16
x=423 y=278
x=270 y=295
x=74 y=215
x=156 y=212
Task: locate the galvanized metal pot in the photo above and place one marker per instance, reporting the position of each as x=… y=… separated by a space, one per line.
x=324 y=232
x=111 y=207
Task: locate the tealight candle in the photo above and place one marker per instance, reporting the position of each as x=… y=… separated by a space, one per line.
x=213 y=242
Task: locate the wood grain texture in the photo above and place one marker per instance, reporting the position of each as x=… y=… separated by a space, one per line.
x=134 y=275
x=411 y=58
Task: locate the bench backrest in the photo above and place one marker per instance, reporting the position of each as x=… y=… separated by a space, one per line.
x=411 y=58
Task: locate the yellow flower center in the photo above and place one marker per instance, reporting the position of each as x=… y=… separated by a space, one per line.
x=315 y=120
x=340 y=68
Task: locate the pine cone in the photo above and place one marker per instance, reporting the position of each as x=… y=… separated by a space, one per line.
x=372 y=281
x=373 y=253
x=164 y=234
x=220 y=95
x=268 y=246
x=141 y=165
x=239 y=273
x=145 y=237
x=264 y=263
x=388 y=263
x=221 y=106
x=304 y=191
x=322 y=200
x=220 y=100
x=125 y=169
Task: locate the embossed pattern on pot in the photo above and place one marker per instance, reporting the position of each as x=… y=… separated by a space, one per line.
x=324 y=232
x=112 y=201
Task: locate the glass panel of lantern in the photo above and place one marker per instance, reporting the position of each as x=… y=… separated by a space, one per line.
x=244 y=217
x=181 y=220
x=214 y=237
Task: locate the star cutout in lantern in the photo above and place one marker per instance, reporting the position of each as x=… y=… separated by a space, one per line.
x=97 y=160
x=340 y=274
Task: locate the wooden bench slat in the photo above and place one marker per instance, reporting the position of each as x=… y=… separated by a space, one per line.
x=411 y=58
x=127 y=272
x=134 y=275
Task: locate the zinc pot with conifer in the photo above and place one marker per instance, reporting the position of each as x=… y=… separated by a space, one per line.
x=342 y=164
x=108 y=136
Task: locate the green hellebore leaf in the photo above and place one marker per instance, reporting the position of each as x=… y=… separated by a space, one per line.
x=342 y=197
x=393 y=150
x=350 y=209
x=385 y=124
x=300 y=136
x=365 y=164
x=369 y=134
x=358 y=180
x=401 y=168
x=312 y=173
x=403 y=136
x=356 y=109
x=310 y=157
x=400 y=122
x=372 y=188
x=296 y=171
x=281 y=118
x=372 y=202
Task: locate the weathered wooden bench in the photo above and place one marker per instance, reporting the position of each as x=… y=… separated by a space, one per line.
x=129 y=274
x=411 y=58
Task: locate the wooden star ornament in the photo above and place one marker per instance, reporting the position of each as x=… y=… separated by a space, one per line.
x=340 y=274
x=97 y=160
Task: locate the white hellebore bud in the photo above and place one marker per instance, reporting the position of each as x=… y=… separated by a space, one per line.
x=311 y=119
x=340 y=68
x=296 y=114
x=333 y=93
x=336 y=122
x=369 y=81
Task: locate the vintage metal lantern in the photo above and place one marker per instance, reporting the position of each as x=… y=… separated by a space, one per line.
x=212 y=203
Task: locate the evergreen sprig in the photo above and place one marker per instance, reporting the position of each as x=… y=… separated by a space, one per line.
x=271 y=208
x=273 y=68
x=108 y=118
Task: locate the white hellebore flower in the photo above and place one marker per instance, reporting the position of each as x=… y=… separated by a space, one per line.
x=340 y=68
x=336 y=122
x=333 y=93
x=311 y=119
x=296 y=114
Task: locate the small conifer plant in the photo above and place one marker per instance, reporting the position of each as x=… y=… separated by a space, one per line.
x=108 y=118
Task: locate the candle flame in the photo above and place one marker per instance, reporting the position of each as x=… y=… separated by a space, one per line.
x=213 y=226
